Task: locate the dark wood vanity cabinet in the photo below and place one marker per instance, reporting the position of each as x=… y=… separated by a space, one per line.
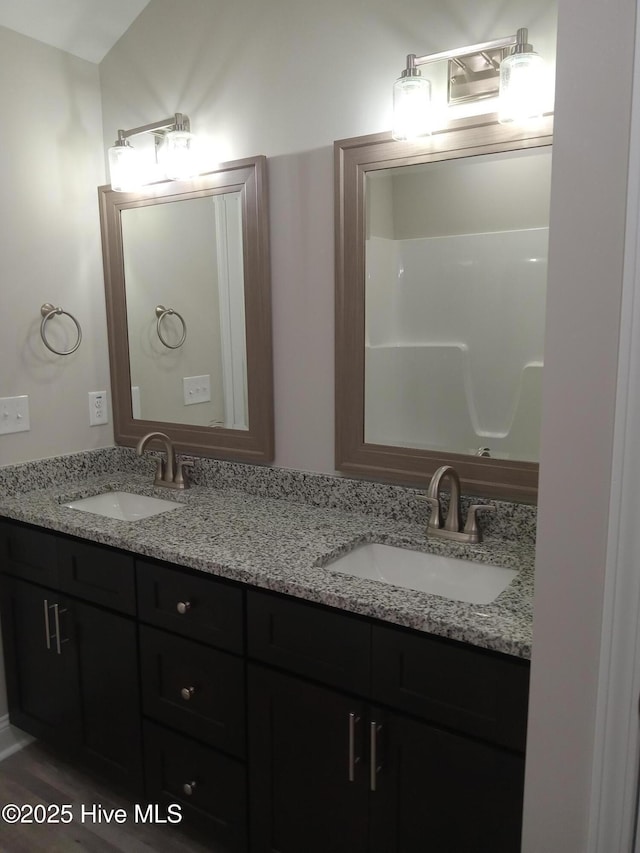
x=71 y=666
x=337 y=769
x=278 y=725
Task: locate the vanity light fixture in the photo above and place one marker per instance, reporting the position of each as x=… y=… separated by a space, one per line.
x=507 y=67
x=174 y=151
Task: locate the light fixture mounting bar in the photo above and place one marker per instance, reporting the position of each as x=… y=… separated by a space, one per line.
x=179 y=119
x=454 y=53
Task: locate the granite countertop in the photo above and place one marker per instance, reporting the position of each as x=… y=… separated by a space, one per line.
x=286 y=546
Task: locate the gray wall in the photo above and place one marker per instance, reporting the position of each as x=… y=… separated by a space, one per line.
x=52 y=163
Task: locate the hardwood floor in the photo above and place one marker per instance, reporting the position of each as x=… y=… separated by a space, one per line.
x=36 y=776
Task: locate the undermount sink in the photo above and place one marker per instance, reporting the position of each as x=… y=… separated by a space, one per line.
x=123 y=505
x=460 y=580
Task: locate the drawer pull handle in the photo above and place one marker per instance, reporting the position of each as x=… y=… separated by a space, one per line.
x=183 y=607
x=354 y=719
x=187 y=693
x=189 y=788
x=374 y=730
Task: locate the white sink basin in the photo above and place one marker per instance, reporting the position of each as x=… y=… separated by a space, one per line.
x=123 y=505
x=460 y=580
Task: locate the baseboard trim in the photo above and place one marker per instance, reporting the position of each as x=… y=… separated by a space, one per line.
x=11 y=738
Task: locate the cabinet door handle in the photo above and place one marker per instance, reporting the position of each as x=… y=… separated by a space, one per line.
x=189 y=788
x=57 y=610
x=183 y=607
x=374 y=730
x=354 y=719
x=187 y=693
x=47 y=627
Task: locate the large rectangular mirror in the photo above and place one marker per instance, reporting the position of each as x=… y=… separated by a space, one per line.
x=188 y=310
x=441 y=284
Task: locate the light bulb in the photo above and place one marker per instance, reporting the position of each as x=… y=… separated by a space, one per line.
x=521 y=84
x=177 y=155
x=124 y=168
x=411 y=106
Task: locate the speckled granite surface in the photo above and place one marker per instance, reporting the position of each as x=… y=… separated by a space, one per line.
x=280 y=530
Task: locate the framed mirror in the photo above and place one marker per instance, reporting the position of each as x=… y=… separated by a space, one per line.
x=187 y=285
x=441 y=267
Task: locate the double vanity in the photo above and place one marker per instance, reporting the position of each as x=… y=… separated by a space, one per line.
x=224 y=653
x=298 y=660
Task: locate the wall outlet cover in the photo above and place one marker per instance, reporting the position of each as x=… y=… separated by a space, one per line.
x=98 y=408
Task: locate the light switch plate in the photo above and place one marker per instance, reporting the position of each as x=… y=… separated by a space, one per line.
x=196 y=389
x=98 y=408
x=14 y=414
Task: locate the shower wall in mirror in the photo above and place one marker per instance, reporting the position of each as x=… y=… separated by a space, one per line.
x=441 y=270
x=187 y=285
x=456 y=273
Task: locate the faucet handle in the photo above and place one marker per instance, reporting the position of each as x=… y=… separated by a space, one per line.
x=434 y=503
x=471 y=528
x=180 y=478
x=159 y=469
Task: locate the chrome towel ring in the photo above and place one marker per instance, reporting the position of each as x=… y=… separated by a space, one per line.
x=47 y=311
x=161 y=313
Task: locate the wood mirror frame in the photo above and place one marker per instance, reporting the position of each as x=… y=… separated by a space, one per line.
x=256 y=444
x=355 y=157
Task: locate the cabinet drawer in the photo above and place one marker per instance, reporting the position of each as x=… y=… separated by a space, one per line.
x=29 y=553
x=477 y=692
x=309 y=640
x=201 y=608
x=97 y=574
x=193 y=688
x=217 y=802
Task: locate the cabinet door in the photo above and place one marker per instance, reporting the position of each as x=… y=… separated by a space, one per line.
x=72 y=678
x=307 y=774
x=110 y=732
x=42 y=677
x=456 y=793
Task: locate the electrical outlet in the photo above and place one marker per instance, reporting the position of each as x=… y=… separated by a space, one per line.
x=196 y=389
x=14 y=414
x=98 y=408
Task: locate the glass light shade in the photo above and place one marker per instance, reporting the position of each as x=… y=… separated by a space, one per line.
x=522 y=88
x=411 y=108
x=177 y=155
x=124 y=169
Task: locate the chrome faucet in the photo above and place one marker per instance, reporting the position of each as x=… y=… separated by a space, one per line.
x=169 y=474
x=452 y=528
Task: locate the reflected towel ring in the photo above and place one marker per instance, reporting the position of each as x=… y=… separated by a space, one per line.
x=161 y=313
x=48 y=310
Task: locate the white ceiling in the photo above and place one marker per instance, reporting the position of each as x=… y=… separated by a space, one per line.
x=86 y=28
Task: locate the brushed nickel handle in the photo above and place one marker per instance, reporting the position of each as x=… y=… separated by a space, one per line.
x=187 y=693
x=189 y=788
x=374 y=729
x=57 y=610
x=354 y=719
x=47 y=627
x=183 y=607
